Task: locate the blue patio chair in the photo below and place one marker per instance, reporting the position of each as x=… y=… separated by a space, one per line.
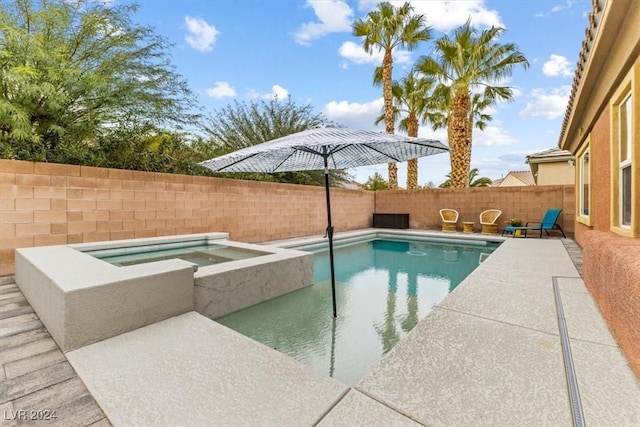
x=548 y=223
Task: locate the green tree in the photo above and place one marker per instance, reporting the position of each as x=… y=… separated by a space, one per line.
x=473 y=181
x=148 y=148
x=411 y=95
x=376 y=182
x=465 y=62
x=241 y=124
x=384 y=29
x=429 y=184
x=71 y=70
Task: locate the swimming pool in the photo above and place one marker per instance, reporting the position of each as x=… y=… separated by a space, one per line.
x=383 y=288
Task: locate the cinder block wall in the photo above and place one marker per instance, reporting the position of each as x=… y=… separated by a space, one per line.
x=52 y=204
x=526 y=203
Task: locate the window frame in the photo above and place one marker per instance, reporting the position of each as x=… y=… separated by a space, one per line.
x=627 y=91
x=584 y=154
x=628 y=161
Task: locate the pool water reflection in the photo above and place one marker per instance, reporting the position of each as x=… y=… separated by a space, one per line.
x=383 y=288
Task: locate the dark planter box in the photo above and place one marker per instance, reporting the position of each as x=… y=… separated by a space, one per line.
x=391 y=220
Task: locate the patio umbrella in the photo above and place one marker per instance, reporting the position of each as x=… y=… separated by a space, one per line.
x=325 y=148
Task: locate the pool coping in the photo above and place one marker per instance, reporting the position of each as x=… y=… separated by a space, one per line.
x=373 y=233
x=610 y=388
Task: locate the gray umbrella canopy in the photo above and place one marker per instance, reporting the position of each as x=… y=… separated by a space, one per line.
x=342 y=148
x=325 y=148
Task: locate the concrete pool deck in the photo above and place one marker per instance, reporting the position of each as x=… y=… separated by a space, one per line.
x=489 y=354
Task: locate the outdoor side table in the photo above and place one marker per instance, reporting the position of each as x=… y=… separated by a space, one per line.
x=467 y=227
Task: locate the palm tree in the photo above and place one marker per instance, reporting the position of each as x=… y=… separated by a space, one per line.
x=411 y=98
x=475 y=181
x=482 y=181
x=464 y=62
x=384 y=29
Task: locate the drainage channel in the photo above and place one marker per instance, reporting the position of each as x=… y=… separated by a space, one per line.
x=572 y=382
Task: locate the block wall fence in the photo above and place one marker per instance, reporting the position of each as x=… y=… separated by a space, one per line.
x=526 y=203
x=52 y=204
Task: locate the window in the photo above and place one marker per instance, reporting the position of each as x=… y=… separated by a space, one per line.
x=584 y=178
x=625 y=117
x=625 y=156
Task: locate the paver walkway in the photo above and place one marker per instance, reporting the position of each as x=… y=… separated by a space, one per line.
x=37 y=383
x=575 y=253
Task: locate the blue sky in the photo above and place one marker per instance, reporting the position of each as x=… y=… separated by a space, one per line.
x=250 y=49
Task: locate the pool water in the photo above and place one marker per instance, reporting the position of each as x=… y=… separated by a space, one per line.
x=199 y=254
x=383 y=288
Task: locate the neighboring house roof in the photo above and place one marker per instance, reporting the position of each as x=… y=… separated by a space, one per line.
x=550 y=155
x=526 y=177
x=497 y=182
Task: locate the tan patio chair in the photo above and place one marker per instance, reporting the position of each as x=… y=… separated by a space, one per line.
x=488 y=220
x=449 y=219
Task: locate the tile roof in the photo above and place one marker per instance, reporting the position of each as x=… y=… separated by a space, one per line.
x=524 y=176
x=595 y=17
x=497 y=182
x=551 y=152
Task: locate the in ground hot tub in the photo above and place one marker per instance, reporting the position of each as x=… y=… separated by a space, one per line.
x=199 y=252
x=92 y=291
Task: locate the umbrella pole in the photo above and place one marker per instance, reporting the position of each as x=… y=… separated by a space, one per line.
x=330 y=235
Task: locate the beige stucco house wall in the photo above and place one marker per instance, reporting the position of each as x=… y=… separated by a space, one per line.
x=556 y=173
x=552 y=167
x=602 y=129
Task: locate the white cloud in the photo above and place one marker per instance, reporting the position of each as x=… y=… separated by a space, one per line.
x=557 y=65
x=557 y=8
x=220 y=90
x=496 y=167
x=253 y=94
x=355 y=53
x=547 y=105
x=354 y=114
x=277 y=92
x=445 y=15
x=201 y=35
x=492 y=136
x=425 y=131
x=333 y=16
x=517 y=92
